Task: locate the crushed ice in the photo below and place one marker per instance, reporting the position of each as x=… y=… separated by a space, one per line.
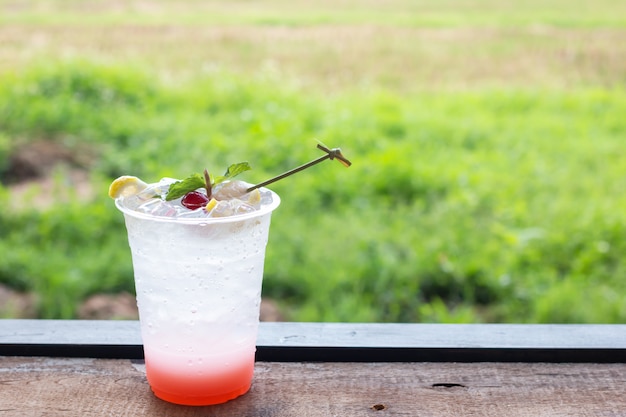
x=152 y=201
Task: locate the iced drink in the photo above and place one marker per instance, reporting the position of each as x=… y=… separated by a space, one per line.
x=198 y=247
x=198 y=282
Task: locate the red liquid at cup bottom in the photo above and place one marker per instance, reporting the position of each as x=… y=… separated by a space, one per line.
x=187 y=382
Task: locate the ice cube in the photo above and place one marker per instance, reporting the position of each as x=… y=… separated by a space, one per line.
x=152 y=192
x=193 y=214
x=221 y=209
x=266 y=197
x=230 y=189
x=241 y=207
x=231 y=198
x=231 y=207
x=158 y=207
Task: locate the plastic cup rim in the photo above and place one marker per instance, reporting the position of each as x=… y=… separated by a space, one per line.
x=202 y=220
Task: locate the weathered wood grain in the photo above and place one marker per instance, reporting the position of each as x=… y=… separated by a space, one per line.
x=35 y=386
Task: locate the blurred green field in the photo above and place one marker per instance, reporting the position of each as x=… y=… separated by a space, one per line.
x=489 y=170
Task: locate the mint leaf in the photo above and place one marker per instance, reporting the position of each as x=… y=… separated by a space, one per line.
x=233 y=171
x=180 y=188
x=195 y=181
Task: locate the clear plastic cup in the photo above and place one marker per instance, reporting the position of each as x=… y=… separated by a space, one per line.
x=198 y=284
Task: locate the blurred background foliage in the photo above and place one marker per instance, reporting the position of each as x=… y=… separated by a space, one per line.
x=488 y=182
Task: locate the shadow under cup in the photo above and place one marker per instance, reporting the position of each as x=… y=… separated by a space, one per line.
x=198 y=284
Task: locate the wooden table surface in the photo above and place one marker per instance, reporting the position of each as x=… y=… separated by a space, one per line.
x=95 y=368
x=45 y=386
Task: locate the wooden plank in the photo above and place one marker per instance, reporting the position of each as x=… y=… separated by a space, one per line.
x=353 y=342
x=71 y=338
x=371 y=342
x=103 y=387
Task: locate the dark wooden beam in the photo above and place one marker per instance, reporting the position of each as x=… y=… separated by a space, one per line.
x=341 y=342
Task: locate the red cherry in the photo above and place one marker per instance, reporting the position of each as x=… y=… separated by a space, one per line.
x=194 y=200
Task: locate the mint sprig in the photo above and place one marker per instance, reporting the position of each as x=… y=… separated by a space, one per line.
x=180 y=188
x=195 y=181
x=233 y=171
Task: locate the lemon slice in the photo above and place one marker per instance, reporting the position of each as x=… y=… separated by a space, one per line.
x=126 y=186
x=254 y=197
x=211 y=205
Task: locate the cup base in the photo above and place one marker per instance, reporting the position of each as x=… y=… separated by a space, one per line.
x=201 y=400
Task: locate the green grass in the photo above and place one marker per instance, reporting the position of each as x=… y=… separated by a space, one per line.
x=487 y=141
x=498 y=205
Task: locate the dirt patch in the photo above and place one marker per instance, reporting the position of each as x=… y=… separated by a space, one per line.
x=17 y=304
x=41 y=193
x=270 y=311
x=36 y=160
x=48 y=172
x=109 y=307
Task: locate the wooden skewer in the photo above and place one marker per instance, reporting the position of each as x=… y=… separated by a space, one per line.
x=334 y=153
